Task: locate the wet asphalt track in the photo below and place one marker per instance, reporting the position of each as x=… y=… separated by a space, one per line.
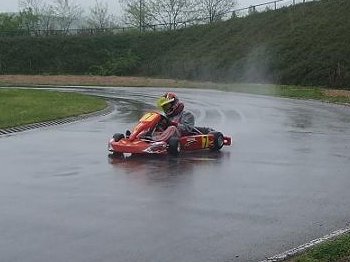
x=284 y=182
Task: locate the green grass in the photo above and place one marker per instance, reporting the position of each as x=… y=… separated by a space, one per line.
x=333 y=250
x=20 y=107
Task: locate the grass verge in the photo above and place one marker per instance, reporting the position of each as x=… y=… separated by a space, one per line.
x=20 y=107
x=332 y=250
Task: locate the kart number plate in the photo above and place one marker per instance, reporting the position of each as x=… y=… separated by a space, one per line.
x=205 y=141
x=148 y=117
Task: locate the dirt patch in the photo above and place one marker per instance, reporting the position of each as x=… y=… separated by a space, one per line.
x=121 y=81
x=88 y=80
x=347 y=259
x=337 y=93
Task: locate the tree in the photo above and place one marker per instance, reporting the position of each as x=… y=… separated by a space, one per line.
x=29 y=13
x=66 y=12
x=99 y=17
x=47 y=18
x=36 y=15
x=214 y=10
x=33 y=5
x=9 y=22
x=137 y=13
x=150 y=13
x=169 y=12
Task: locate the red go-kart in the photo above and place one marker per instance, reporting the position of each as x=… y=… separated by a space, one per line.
x=140 y=140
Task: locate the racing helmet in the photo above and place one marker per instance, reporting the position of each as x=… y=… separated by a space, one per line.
x=170 y=104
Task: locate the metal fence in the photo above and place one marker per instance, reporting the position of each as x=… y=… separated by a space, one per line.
x=272 y=5
x=245 y=11
x=241 y=12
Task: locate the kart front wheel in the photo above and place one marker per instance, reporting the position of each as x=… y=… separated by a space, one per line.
x=116 y=155
x=174 y=146
x=218 y=141
x=118 y=136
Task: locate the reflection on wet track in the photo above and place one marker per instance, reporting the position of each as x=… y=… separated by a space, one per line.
x=162 y=167
x=283 y=182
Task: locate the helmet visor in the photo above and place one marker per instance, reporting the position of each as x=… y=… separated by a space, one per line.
x=164 y=104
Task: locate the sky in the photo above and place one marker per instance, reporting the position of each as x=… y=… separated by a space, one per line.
x=12 y=5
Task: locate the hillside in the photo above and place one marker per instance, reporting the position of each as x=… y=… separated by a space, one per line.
x=308 y=44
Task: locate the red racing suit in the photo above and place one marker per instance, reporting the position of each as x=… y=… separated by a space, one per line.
x=181 y=125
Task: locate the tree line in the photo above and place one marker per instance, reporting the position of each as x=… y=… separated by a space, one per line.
x=293 y=45
x=40 y=17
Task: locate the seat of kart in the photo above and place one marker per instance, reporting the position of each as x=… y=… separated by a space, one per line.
x=201 y=130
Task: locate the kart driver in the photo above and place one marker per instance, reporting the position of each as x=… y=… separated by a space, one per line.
x=181 y=121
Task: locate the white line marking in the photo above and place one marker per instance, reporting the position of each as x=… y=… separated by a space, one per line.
x=298 y=250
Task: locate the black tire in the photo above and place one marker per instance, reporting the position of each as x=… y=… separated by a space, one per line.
x=118 y=136
x=174 y=146
x=116 y=155
x=218 y=141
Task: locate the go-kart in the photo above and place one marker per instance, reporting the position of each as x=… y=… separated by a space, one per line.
x=141 y=139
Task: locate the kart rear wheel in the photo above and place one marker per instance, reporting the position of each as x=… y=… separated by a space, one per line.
x=116 y=155
x=218 y=141
x=174 y=146
x=118 y=136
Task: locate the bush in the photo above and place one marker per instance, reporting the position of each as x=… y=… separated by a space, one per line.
x=123 y=64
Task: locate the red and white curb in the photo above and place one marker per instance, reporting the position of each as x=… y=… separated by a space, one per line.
x=300 y=249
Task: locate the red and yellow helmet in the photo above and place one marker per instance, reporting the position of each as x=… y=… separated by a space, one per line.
x=170 y=104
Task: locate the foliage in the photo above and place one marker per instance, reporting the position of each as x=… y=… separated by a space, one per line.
x=301 y=45
x=136 y=13
x=30 y=20
x=306 y=44
x=213 y=10
x=144 y=14
x=117 y=64
x=36 y=15
x=39 y=17
x=66 y=12
x=9 y=22
x=99 y=17
x=169 y=12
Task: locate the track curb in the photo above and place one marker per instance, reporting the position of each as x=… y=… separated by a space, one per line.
x=12 y=130
x=302 y=248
